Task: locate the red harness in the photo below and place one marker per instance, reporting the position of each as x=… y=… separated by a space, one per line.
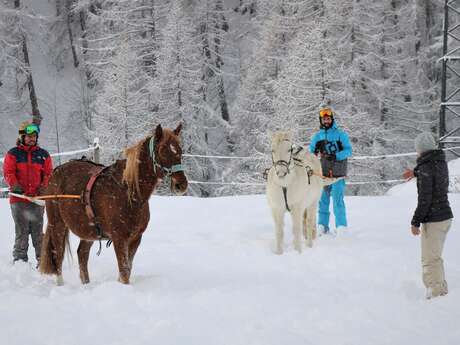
x=95 y=172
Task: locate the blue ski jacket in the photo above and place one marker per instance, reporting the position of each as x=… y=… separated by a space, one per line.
x=334 y=147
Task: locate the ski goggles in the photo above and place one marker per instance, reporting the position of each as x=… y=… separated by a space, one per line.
x=325 y=112
x=31 y=129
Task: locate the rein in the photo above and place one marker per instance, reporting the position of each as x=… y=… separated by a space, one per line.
x=167 y=171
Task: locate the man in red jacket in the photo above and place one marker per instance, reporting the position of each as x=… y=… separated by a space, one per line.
x=27 y=169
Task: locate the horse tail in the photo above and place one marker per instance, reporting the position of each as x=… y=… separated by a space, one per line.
x=47 y=259
x=54 y=243
x=51 y=256
x=67 y=246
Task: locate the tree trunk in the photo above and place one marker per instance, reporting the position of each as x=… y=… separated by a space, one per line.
x=69 y=29
x=36 y=116
x=58 y=8
x=221 y=26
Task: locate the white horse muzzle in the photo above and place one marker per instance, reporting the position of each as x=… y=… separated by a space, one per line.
x=282 y=168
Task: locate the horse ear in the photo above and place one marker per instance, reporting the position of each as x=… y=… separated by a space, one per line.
x=178 y=129
x=158 y=133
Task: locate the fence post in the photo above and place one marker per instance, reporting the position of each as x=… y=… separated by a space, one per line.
x=97 y=153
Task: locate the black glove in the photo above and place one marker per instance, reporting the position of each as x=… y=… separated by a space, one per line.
x=17 y=188
x=41 y=190
x=329 y=156
x=320 y=146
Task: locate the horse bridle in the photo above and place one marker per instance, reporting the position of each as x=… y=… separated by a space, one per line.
x=167 y=171
x=284 y=163
x=294 y=150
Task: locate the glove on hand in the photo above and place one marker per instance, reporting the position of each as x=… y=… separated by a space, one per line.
x=41 y=190
x=17 y=188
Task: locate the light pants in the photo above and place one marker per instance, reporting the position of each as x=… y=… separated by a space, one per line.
x=336 y=191
x=433 y=237
x=28 y=219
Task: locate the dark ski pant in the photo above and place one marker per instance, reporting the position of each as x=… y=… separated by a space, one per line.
x=28 y=219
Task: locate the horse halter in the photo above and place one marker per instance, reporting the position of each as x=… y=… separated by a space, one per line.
x=167 y=171
x=284 y=163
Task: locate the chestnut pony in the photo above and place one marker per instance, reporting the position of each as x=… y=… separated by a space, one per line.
x=119 y=199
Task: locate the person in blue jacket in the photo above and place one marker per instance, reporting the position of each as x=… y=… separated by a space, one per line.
x=333 y=147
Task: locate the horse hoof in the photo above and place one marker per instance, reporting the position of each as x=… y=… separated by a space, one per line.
x=84 y=279
x=59 y=280
x=278 y=251
x=123 y=281
x=298 y=246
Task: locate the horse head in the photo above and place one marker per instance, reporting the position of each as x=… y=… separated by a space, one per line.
x=282 y=153
x=167 y=155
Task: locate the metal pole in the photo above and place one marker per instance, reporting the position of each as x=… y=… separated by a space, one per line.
x=96 y=150
x=442 y=112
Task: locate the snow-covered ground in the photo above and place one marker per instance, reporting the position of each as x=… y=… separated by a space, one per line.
x=206 y=274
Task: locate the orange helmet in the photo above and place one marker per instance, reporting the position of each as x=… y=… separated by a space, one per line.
x=325 y=110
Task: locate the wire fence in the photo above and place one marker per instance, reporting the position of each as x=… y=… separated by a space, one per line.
x=95 y=148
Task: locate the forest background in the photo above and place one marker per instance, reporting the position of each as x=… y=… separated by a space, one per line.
x=231 y=71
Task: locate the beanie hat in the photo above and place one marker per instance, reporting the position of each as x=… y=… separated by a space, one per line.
x=425 y=142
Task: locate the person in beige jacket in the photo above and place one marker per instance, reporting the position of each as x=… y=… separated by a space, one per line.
x=433 y=212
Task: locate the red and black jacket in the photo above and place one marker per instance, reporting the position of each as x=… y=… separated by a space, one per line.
x=28 y=166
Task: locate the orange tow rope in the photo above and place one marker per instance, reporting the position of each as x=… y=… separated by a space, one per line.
x=57 y=196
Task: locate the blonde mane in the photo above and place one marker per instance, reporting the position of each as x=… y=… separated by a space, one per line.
x=131 y=172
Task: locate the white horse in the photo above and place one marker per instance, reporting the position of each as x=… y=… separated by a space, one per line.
x=294 y=184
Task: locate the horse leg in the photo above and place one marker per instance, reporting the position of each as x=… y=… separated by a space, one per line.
x=304 y=224
x=278 y=217
x=121 y=251
x=306 y=227
x=83 y=254
x=53 y=244
x=297 y=214
x=311 y=224
x=132 y=248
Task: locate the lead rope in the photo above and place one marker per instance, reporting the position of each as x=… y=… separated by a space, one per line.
x=107 y=245
x=285 y=198
x=309 y=172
